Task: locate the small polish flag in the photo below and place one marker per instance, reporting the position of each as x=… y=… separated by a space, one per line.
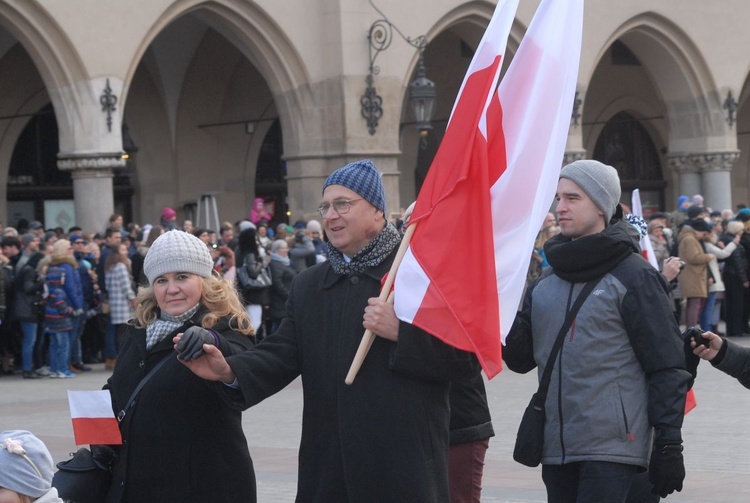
x=94 y=421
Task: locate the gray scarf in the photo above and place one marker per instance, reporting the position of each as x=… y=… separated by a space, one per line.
x=369 y=256
x=165 y=325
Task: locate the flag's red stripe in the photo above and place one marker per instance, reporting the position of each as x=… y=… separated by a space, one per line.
x=690 y=401
x=96 y=430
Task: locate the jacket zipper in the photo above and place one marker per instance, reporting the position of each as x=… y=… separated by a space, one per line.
x=559 y=375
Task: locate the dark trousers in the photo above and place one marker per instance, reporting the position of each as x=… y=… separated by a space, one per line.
x=465 y=468
x=734 y=305
x=588 y=482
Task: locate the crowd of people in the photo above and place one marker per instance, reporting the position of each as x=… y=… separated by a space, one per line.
x=67 y=295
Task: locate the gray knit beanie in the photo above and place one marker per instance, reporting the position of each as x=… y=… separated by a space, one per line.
x=26 y=465
x=599 y=181
x=363 y=178
x=177 y=251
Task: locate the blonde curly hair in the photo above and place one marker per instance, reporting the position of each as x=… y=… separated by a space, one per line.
x=218 y=296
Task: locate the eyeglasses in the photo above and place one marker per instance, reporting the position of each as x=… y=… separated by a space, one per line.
x=79 y=242
x=340 y=206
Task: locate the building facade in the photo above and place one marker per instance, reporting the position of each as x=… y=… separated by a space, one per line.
x=130 y=106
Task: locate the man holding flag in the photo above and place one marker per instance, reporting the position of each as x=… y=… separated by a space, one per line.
x=385 y=437
x=619 y=381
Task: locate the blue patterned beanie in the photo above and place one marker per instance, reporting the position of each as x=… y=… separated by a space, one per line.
x=363 y=178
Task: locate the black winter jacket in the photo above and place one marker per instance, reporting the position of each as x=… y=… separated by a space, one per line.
x=180 y=441
x=385 y=437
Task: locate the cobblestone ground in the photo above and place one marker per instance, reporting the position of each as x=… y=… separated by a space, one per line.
x=717 y=436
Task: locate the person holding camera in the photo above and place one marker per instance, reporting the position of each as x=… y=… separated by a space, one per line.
x=302 y=251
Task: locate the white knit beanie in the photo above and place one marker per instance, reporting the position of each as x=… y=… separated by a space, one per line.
x=177 y=251
x=599 y=181
x=26 y=465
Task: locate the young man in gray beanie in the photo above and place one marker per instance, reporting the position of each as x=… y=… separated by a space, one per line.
x=617 y=393
x=385 y=437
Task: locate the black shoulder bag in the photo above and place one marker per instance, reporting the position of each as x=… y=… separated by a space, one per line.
x=530 y=436
x=86 y=477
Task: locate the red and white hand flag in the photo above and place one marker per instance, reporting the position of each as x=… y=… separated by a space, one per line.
x=491 y=183
x=94 y=421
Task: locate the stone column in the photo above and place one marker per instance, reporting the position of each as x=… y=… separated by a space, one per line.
x=690 y=178
x=716 y=177
x=92 y=187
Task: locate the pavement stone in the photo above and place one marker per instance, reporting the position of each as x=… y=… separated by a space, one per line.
x=716 y=433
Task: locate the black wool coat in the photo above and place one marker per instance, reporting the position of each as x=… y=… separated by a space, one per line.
x=385 y=437
x=181 y=442
x=282 y=280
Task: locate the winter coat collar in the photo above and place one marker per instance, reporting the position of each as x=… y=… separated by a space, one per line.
x=592 y=256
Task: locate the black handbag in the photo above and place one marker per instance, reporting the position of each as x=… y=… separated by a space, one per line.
x=83 y=478
x=261 y=280
x=530 y=436
x=86 y=477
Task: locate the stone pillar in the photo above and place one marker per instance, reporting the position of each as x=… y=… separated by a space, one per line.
x=92 y=187
x=716 y=177
x=689 y=174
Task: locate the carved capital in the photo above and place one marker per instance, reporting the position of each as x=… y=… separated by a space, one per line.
x=573 y=155
x=90 y=162
x=682 y=164
x=717 y=161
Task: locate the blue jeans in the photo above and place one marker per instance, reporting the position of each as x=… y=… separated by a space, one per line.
x=59 y=351
x=75 y=339
x=708 y=311
x=27 y=348
x=588 y=482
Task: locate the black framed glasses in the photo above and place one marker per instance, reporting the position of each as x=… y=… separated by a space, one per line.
x=340 y=206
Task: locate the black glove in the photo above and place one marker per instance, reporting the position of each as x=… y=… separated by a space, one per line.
x=666 y=471
x=190 y=346
x=691 y=359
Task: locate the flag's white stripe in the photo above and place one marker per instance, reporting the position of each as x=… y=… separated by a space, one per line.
x=90 y=404
x=493 y=43
x=637 y=208
x=536 y=118
x=412 y=284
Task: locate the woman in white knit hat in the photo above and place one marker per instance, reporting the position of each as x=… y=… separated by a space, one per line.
x=180 y=439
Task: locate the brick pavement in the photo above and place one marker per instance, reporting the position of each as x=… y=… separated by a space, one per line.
x=717 y=436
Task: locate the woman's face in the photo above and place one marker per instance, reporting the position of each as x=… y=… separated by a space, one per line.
x=262 y=231
x=123 y=250
x=205 y=237
x=177 y=292
x=283 y=250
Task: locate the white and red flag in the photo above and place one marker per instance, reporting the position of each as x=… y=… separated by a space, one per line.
x=94 y=421
x=647 y=249
x=491 y=183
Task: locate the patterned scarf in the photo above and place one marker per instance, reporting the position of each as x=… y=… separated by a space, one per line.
x=165 y=325
x=369 y=256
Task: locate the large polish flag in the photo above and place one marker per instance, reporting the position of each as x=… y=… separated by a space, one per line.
x=647 y=249
x=94 y=421
x=491 y=183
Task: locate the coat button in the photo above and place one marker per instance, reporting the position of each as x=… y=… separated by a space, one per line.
x=141 y=364
x=354 y=280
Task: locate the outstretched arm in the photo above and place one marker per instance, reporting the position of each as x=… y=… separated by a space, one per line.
x=211 y=366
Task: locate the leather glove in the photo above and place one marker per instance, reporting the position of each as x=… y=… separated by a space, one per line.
x=666 y=471
x=190 y=346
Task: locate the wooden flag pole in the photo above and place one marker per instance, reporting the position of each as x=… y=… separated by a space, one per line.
x=385 y=294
